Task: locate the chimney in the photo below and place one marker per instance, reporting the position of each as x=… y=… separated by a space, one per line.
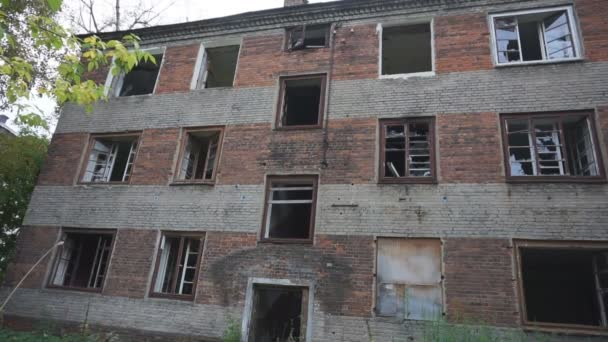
x=3 y=118
x=295 y=2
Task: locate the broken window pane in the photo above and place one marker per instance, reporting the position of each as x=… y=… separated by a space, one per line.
x=82 y=260
x=407 y=149
x=534 y=36
x=302 y=101
x=308 y=37
x=290 y=209
x=111 y=159
x=409 y=278
x=582 y=161
x=218 y=67
x=406 y=49
x=565 y=286
x=141 y=79
x=199 y=156
x=279 y=314
x=177 y=265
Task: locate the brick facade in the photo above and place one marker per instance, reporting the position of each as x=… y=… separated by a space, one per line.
x=65 y=149
x=177 y=68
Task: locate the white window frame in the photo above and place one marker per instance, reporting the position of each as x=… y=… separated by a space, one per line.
x=201 y=61
x=248 y=310
x=110 y=87
x=578 y=50
x=380 y=31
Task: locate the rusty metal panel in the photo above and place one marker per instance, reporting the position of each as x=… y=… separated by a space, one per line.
x=423 y=302
x=409 y=261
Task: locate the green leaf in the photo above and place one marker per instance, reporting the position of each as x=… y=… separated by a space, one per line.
x=55 y=5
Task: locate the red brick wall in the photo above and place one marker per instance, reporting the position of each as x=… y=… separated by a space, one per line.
x=61 y=164
x=32 y=243
x=131 y=263
x=155 y=158
x=469 y=148
x=341 y=266
x=479 y=282
x=177 y=68
x=593 y=16
x=462 y=43
x=356 y=52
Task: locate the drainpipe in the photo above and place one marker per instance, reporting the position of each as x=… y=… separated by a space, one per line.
x=330 y=74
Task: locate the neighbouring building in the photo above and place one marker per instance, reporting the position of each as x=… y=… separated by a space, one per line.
x=342 y=171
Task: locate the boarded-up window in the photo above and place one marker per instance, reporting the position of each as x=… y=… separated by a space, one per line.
x=409 y=278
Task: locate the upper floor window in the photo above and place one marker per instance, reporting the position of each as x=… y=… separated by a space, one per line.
x=199 y=155
x=406 y=49
x=537 y=35
x=140 y=80
x=216 y=67
x=551 y=146
x=308 y=37
x=301 y=101
x=407 y=150
x=110 y=159
x=290 y=208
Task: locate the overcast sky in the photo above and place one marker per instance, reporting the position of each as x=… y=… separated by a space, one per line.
x=173 y=11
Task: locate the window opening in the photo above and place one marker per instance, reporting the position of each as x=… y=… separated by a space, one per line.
x=83 y=260
x=141 y=79
x=279 y=314
x=308 y=37
x=290 y=209
x=534 y=36
x=407 y=49
x=111 y=159
x=302 y=101
x=178 y=265
x=407 y=149
x=200 y=156
x=565 y=286
x=219 y=67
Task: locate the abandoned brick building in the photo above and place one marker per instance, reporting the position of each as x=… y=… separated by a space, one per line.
x=341 y=171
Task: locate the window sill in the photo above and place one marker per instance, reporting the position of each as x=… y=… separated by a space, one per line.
x=75 y=289
x=102 y=184
x=186 y=298
x=408 y=180
x=556 y=179
x=312 y=48
x=543 y=62
x=178 y=183
x=409 y=75
x=565 y=329
x=300 y=127
x=286 y=241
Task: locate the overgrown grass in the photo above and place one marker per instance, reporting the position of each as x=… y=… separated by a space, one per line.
x=232 y=332
x=19 y=336
x=441 y=331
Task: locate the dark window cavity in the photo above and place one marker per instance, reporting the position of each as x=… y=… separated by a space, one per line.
x=290 y=208
x=110 y=159
x=82 y=261
x=141 y=79
x=541 y=145
x=279 y=314
x=534 y=36
x=308 y=37
x=200 y=155
x=177 y=265
x=218 y=67
x=407 y=49
x=301 y=101
x=565 y=286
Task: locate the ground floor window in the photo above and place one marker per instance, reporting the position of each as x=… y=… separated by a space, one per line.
x=279 y=313
x=564 y=285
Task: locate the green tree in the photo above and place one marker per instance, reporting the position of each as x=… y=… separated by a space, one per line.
x=20 y=161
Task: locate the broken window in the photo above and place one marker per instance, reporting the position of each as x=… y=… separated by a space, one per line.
x=409 y=278
x=200 y=155
x=546 y=145
x=82 y=261
x=535 y=36
x=290 y=208
x=407 y=49
x=177 y=265
x=301 y=101
x=564 y=285
x=218 y=67
x=279 y=314
x=308 y=37
x=141 y=79
x=110 y=159
x=407 y=150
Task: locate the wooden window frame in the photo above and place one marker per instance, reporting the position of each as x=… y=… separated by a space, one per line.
x=382 y=148
x=600 y=178
x=551 y=245
x=314 y=179
x=54 y=264
x=182 y=148
x=87 y=155
x=281 y=101
x=181 y=235
x=289 y=31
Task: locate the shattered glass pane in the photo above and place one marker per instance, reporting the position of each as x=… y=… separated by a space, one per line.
x=395 y=151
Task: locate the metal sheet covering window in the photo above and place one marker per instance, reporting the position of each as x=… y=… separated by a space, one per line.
x=409 y=278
